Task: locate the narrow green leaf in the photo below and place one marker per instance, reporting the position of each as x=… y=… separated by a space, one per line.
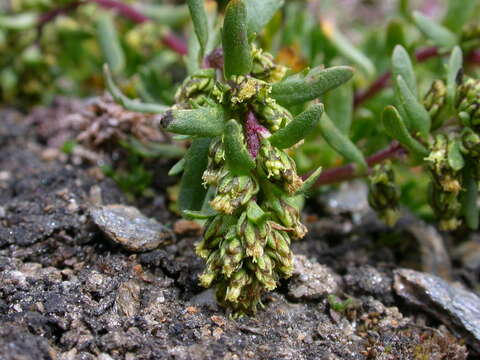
x=454 y=156
x=129 y=104
x=26 y=20
x=459 y=12
x=200 y=22
x=259 y=13
x=192 y=192
x=193 y=55
x=298 y=128
x=419 y=118
x=236 y=153
x=395 y=128
x=440 y=35
x=347 y=49
x=154 y=150
x=236 y=48
x=395 y=35
x=470 y=198
x=110 y=43
x=339 y=103
x=255 y=213
x=207 y=121
x=177 y=168
x=309 y=182
x=198 y=215
x=300 y=89
x=455 y=66
x=341 y=143
x=402 y=65
x=169 y=15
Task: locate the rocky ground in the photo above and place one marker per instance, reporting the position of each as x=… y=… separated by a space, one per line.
x=78 y=282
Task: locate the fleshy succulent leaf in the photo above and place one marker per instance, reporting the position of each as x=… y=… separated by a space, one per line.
x=259 y=13
x=297 y=129
x=236 y=48
x=419 y=119
x=395 y=128
x=455 y=66
x=309 y=182
x=237 y=156
x=347 y=49
x=206 y=121
x=192 y=192
x=177 y=168
x=129 y=104
x=200 y=22
x=439 y=35
x=300 y=89
x=459 y=13
x=341 y=143
x=110 y=43
x=402 y=65
x=339 y=103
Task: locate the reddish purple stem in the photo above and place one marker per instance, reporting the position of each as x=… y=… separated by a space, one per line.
x=348 y=172
x=253 y=131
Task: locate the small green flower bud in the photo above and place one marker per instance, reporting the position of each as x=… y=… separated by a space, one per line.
x=446 y=206
x=264 y=271
x=279 y=167
x=435 y=101
x=443 y=174
x=237 y=282
x=233 y=192
x=384 y=194
x=264 y=68
x=468 y=103
x=272 y=115
x=288 y=215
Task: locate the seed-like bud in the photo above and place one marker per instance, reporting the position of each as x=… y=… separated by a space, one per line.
x=279 y=167
x=288 y=215
x=468 y=103
x=272 y=115
x=212 y=269
x=264 y=271
x=254 y=235
x=232 y=254
x=384 y=194
x=216 y=168
x=233 y=192
x=435 y=101
x=236 y=283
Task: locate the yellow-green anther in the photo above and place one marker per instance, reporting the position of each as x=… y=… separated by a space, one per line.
x=245 y=89
x=264 y=67
x=237 y=282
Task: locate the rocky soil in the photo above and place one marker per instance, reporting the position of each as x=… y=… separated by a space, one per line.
x=73 y=287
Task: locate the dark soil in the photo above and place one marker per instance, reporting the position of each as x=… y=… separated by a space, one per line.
x=68 y=292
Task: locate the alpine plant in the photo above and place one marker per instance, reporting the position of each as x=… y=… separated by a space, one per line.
x=237 y=174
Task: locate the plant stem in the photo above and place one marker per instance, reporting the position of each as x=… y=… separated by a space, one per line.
x=348 y=172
